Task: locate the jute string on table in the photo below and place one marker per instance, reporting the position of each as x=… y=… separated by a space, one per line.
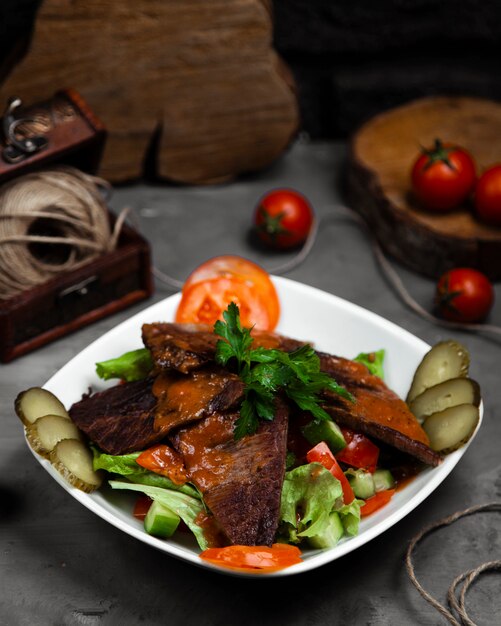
x=60 y=207
x=466 y=578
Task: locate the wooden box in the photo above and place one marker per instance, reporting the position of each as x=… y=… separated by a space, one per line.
x=101 y=287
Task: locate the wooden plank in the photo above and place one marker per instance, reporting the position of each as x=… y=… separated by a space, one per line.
x=203 y=76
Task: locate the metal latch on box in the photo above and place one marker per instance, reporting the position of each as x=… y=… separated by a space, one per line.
x=80 y=289
x=18 y=147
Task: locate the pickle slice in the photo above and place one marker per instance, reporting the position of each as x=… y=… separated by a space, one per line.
x=445 y=360
x=73 y=460
x=451 y=428
x=48 y=430
x=37 y=402
x=444 y=395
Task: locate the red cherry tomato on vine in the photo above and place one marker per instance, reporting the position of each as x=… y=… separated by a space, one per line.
x=283 y=219
x=443 y=177
x=488 y=196
x=464 y=295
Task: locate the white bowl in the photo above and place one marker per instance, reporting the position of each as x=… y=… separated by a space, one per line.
x=332 y=325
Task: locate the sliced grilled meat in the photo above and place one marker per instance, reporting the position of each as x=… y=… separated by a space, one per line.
x=184 y=398
x=120 y=419
x=241 y=481
x=133 y=416
x=377 y=411
x=178 y=346
x=185 y=347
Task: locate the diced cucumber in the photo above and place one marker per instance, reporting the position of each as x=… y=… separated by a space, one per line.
x=160 y=521
x=383 y=479
x=330 y=536
x=361 y=482
x=324 y=430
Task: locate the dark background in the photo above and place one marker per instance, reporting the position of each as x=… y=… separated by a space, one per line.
x=353 y=58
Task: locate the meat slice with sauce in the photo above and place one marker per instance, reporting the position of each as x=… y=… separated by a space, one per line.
x=186 y=347
x=377 y=411
x=241 y=481
x=133 y=416
x=120 y=419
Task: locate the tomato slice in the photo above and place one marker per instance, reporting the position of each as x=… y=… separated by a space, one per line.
x=359 y=451
x=212 y=286
x=142 y=507
x=163 y=460
x=321 y=453
x=228 y=266
x=377 y=501
x=257 y=558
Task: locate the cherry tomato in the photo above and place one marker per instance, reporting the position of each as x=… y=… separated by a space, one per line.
x=464 y=295
x=488 y=196
x=443 y=177
x=283 y=219
x=213 y=285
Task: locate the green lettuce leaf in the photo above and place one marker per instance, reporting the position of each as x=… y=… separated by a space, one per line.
x=130 y=366
x=373 y=361
x=187 y=507
x=125 y=465
x=309 y=494
x=350 y=516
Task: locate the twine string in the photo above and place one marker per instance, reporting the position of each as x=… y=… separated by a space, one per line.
x=402 y=292
x=61 y=206
x=466 y=578
x=283 y=268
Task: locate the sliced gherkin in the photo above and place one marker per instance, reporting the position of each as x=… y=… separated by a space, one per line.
x=444 y=395
x=73 y=460
x=48 y=430
x=37 y=402
x=445 y=360
x=451 y=428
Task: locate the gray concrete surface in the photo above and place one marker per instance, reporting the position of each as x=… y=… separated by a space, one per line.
x=62 y=565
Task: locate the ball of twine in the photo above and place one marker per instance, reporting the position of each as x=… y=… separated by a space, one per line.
x=51 y=221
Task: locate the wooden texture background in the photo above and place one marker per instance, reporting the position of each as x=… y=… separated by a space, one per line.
x=381 y=156
x=192 y=90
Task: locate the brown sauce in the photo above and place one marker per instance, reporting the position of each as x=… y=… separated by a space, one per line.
x=183 y=399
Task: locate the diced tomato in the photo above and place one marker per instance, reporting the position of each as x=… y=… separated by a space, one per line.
x=163 y=460
x=142 y=507
x=211 y=287
x=377 y=501
x=257 y=558
x=321 y=453
x=359 y=451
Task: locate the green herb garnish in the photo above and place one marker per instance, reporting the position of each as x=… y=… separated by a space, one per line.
x=265 y=372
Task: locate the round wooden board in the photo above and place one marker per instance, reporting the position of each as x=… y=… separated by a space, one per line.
x=380 y=158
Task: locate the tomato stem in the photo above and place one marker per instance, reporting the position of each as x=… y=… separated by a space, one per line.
x=439 y=152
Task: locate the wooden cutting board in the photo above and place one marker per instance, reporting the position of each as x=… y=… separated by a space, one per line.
x=381 y=155
x=189 y=90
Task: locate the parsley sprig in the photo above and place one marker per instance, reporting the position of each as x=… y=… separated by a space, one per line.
x=265 y=372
